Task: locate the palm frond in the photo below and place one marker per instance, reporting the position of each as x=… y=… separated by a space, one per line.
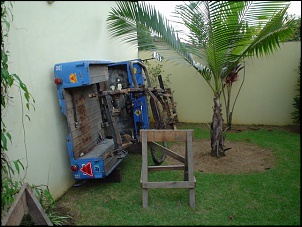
x=221 y=33
x=126 y=20
x=269 y=37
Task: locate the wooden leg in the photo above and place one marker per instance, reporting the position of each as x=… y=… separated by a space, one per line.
x=192 y=197
x=145 y=197
x=144 y=174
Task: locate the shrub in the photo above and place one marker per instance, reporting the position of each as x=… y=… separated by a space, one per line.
x=296 y=104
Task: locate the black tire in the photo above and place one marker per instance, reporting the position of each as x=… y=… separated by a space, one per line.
x=158 y=161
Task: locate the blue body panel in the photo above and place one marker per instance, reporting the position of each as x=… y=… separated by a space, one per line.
x=79 y=68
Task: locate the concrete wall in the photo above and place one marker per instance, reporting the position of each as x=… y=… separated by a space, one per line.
x=266 y=96
x=42 y=35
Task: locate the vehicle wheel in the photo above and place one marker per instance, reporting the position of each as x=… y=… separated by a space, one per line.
x=158 y=156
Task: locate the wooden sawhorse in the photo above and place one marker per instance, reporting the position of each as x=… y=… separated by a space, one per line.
x=150 y=137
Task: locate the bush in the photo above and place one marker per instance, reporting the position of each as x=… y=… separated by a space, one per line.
x=296 y=104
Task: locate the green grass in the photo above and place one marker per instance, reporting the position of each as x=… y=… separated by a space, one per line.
x=267 y=198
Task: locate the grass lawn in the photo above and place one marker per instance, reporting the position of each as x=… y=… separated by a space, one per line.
x=267 y=198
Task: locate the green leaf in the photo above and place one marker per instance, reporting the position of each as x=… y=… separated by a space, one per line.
x=4 y=74
x=16 y=164
x=3 y=142
x=10 y=169
x=3 y=58
x=8 y=135
x=20 y=163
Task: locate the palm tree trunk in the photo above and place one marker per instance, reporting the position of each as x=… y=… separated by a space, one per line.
x=217 y=134
x=228 y=113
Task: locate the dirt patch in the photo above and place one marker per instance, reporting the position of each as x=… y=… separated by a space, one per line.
x=241 y=158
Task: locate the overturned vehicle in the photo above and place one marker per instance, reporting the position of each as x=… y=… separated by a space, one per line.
x=106 y=105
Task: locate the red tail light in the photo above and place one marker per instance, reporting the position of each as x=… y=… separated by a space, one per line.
x=58 y=81
x=74 y=168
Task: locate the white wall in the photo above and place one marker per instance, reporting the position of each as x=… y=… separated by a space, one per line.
x=42 y=35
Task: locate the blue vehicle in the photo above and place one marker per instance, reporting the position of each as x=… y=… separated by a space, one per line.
x=106 y=105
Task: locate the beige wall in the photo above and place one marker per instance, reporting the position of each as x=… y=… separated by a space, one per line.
x=42 y=35
x=266 y=96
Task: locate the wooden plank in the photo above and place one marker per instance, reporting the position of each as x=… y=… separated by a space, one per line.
x=167 y=135
x=192 y=194
x=98 y=73
x=35 y=209
x=88 y=117
x=163 y=168
x=169 y=184
x=192 y=197
x=126 y=145
x=17 y=210
x=169 y=152
x=25 y=202
x=144 y=158
x=144 y=176
x=189 y=153
x=78 y=133
x=145 y=197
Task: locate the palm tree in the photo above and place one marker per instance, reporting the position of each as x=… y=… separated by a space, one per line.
x=221 y=35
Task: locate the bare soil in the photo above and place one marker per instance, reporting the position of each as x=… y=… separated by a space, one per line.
x=243 y=157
